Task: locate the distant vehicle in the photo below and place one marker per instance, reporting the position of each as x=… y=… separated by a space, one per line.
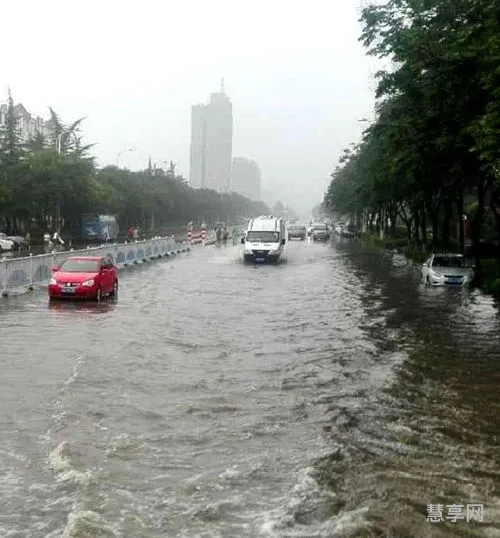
x=6 y=245
x=264 y=239
x=447 y=269
x=297 y=232
x=99 y=228
x=84 y=277
x=339 y=227
x=320 y=232
x=19 y=242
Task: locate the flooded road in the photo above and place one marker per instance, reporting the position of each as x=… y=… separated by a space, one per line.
x=329 y=396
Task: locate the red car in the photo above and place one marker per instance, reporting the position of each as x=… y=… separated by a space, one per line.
x=84 y=277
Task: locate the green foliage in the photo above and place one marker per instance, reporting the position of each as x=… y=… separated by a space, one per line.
x=52 y=180
x=11 y=148
x=434 y=148
x=279 y=209
x=490 y=276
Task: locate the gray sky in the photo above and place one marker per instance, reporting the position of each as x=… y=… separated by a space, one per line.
x=295 y=72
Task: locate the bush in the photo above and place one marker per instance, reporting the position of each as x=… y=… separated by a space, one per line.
x=489 y=276
x=414 y=254
x=388 y=243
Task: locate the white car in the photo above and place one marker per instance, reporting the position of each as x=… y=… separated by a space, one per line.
x=5 y=244
x=447 y=270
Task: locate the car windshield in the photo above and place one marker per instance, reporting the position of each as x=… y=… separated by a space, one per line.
x=319 y=227
x=80 y=266
x=297 y=228
x=449 y=261
x=263 y=237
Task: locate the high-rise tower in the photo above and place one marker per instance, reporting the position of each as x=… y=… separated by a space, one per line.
x=212 y=143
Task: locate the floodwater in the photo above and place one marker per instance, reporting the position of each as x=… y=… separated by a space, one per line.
x=328 y=396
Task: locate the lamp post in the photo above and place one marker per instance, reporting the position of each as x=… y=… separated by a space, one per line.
x=120 y=153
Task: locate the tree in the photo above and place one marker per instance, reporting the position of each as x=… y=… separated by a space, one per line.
x=11 y=148
x=66 y=138
x=434 y=144
x=279 y=209
x=52 y=181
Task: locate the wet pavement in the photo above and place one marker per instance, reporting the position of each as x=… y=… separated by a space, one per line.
x=329 y=396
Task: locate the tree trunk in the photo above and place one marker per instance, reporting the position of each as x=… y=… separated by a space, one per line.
x=435 y=229
x=460 y=221
x=496 y=214
x=477 y=223
x=423 y=228
x=416 y=229
x=445 y=224
x=393 y=215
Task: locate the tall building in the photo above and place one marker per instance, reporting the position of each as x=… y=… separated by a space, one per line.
x=212 y=143
x=197 y=163
x=246 y=178
x=27 y=124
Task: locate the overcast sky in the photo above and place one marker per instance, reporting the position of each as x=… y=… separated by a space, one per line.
x=298 y=78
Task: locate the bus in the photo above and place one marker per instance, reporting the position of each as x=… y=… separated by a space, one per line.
x=99 y=228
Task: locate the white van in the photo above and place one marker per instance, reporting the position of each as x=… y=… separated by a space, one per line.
x=264 y=239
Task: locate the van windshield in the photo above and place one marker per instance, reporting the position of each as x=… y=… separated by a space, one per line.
x=263 y=237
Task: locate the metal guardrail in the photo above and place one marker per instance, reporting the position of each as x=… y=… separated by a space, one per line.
x=22 y=274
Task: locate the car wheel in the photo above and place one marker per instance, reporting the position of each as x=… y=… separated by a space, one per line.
x=114 y=292
x=98 y=295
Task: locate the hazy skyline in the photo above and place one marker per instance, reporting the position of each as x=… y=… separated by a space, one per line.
x=298 y=79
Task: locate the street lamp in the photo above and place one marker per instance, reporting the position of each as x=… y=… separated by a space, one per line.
x=59 y=140
x=58 y=143
x=120 y=153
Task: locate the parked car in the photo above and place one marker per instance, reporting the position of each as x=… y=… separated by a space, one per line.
x=84 y=277
x=349 y=231
x=320 y=232
x=19 y=243
x=447 y=269
x=6 y=244
x=297 y=232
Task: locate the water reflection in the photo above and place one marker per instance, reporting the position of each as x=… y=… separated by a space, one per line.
x=66 y=308
x=432 y=434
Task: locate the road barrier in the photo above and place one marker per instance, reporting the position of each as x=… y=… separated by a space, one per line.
x=22 y=274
